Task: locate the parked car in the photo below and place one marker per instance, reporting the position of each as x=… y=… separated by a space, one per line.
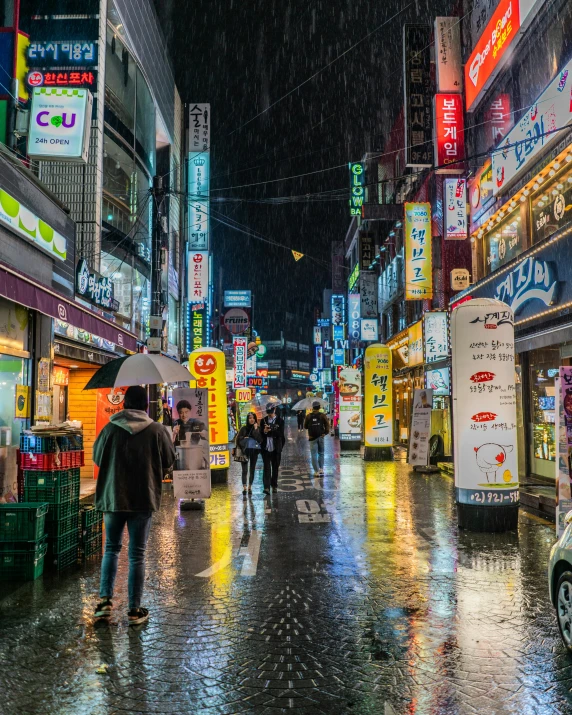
x=560 y=582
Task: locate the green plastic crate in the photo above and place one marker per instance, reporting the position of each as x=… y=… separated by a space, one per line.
x=23 y=565
x=54 y=494
x=24 y=521
x=48 y=478
x=59 y=527
x=64 y=543
x=90 y=516
x=92 y=547
x=65 y=559
x=61 y=512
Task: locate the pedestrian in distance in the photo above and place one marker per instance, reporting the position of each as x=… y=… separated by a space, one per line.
x=247 y=443
x=132 y=453
x=318 y=427
x=273 y=439
x=300 y=416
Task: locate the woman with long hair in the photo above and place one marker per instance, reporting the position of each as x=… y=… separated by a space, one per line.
x=248 y=441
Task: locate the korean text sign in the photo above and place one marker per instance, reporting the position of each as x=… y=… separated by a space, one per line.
x=455 y=209
x=436 y=336
x=418 y=89
x=240 y=345
x=551 y=111
x=198 y=270
x=484 y=403
x=207 y=367
x=192 y=474
x=449 y=133
x=418 y=256
x=415 y=336
x=378 y=391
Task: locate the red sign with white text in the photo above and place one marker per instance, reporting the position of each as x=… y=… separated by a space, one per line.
x=498 y=119
x=449 y=133
x=492 y=45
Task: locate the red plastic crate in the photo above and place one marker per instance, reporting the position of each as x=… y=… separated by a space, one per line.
x=45 y=462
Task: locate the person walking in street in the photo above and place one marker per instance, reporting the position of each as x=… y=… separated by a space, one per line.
x=273 y=439
x=248 y=442
x=318 y=427
x=300 y=416
x=132 y=453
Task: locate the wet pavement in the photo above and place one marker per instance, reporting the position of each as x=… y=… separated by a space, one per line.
x=349 y=594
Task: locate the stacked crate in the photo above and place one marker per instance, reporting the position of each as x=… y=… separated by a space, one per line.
x=23 y=542
x=50 y=464
x=91 y=536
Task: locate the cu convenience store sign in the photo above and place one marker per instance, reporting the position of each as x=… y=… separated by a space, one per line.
x=506 y=24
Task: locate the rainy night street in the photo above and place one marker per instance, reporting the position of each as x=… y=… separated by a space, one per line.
x=351 y=594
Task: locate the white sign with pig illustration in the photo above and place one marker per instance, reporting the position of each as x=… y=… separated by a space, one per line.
x=484 y=409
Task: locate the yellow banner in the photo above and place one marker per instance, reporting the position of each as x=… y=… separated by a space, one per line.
x=22 y=410
x=418 y=258
x=207 y=366
x=378 y=391
x=415 y=355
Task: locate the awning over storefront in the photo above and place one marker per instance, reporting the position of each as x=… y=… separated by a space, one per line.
x=20 y=289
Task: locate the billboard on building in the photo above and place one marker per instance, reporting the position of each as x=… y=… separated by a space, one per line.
x=535 y=131
x=198 y=176
x=237 y=299
x=415 y=337
x=240 y=345
x=418 y=252
x=60 y=121
x=357 y=188
x=435 y=336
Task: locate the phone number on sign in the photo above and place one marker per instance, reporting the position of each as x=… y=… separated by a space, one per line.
x=495 y=497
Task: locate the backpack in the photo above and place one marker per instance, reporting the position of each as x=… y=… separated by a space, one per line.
x=316 y=428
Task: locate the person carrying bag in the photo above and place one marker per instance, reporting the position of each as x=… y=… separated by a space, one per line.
x=247 y=449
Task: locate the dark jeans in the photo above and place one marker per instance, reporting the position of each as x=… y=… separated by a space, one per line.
x=252 y=455
x=301 y=419
x=271 y=464
x=138 y=525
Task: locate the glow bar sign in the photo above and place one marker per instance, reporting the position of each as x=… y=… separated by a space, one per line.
x=536 y=130
x=357 y=188
x=418 y=258
x=239 y=346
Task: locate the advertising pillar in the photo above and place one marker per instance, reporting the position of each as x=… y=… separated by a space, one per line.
x=484 y=415
x=207 y=367
x=378 y=403
x=350 y=404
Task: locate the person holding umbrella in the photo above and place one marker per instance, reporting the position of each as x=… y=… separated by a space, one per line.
x=273 y=439
x=248 y=440
x=132 y=453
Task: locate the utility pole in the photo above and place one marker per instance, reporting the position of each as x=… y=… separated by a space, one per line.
x=156 y=321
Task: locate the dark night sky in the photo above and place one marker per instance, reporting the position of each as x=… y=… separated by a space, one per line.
x=242 y=56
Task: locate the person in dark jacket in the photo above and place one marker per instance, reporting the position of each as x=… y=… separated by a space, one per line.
x=273 y=439
x=132 y=453
x=249 y=439
x=318 y=427
x=300 y=415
